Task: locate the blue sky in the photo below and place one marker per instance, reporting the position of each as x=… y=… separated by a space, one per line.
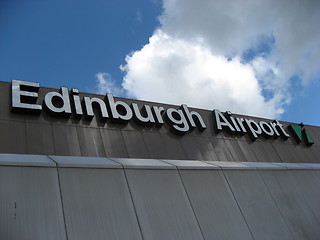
x=171 y=51
x=67 y=42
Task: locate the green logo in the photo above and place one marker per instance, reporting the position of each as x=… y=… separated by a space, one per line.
x=300 y=134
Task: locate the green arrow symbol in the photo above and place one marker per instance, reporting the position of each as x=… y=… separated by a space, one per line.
x=299 y=133
x=309 y=141
x=297 y=130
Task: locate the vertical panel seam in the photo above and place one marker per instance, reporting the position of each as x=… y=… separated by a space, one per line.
x=228 y=149
x=242 y=149
x=134 y=206
x=103 y=142
x=214 y=149
x=54 y=145
x=125 y=144
x=194 y=213
x=77 y=131
x=26 y=135
x=61 y=199
x=101 y=139
x=165 y=146
x=276 y=151
x=146 y=145
x=254 y=153
x=315 y=173
x=283 y=218
x=195 y=147
x=180 y=144
x=201 y=149
x=245 y=220
x=306 y=201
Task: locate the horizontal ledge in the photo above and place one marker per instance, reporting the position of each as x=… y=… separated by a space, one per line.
x=84 y=162
x=25 y=160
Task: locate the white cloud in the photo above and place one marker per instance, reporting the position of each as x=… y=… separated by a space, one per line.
x=232 y=27
x=196 y=55
x=105 y=84
x=176 y=71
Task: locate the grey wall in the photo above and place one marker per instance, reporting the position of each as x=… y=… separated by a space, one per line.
x=45 y=134
x=50 y=197
x=94 y=180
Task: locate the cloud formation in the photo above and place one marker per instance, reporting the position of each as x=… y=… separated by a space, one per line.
x=177 y=71
x=232 y=27
x=232 y=55
x=105 y=84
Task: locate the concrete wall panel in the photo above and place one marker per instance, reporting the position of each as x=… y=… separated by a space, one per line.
x=309 y=154
x=289 y=153
x=162 y=206
x=214 y=205
x=113 y=143
x=13 y=137
x=309 y=186
x=191 y=149
x=221 y=150
x=97 y=204
x=173 y=145
x=207 y=151
x=292 y=204
x=155 y=145
x=247 y=150
x=317 y=172
x=90 y=142
x=66 y=140
x=135 y=144
x=39 y=138
x=257 y=205
x=265 y=152
x=235 y=150
x=30 y=204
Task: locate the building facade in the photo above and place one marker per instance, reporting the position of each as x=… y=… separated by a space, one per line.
x=84 y=166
